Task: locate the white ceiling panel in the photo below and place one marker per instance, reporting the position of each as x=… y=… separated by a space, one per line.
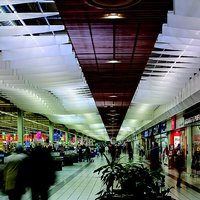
x=10 y=42
x=24 y=30
x=38 y=52
x=7 y=2
x=4 y=17
x=179 y=32
x=187 y=8
x=179 y=21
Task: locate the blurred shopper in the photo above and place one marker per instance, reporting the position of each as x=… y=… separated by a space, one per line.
x=42 y=172
x=154 y=158
x=102 y=150
x=80 y=153
x=14 y=174
x=113 y=152
x=142 y=152
x=88 y=154
x=179 y=164
x=106 y=149
x=130 y=153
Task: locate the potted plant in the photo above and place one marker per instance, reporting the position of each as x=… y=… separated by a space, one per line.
x=131 y=181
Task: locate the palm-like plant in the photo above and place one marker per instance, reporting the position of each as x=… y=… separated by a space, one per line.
x=109 y=174
x=133 y=180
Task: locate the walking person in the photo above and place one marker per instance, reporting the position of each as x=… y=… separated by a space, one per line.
x=154 y=158
x=88 y=154
x=14 y=174
x=42 y=173
x=179 y=164
x=106 y=149
x=142 y=152
x=102 y=150
x=113 y=152
x=130 y=151
x=130 y=154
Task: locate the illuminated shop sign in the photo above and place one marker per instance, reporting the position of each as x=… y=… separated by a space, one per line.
x=156 y=129
x=146 y=133
x=150 y=131
x=173 y=122
x=192 y=119
x=163 y=127
x=57 y=135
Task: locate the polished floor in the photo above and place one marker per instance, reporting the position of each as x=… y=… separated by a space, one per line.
x=78 y=182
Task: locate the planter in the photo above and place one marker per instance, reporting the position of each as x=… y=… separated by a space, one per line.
x=57 y=165
x=68 y=160
x=133 y=180
x=75 y=158
x=124 y=197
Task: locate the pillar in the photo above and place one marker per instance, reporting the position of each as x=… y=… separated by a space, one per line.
x=66 y=135
x=91 y=142
x=51 y=131
x=86 y=140
x=189 y=154
x=82 y=140
x=76 y=139
x=20 y=126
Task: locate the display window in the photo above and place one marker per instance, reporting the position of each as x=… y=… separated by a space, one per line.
x=176 y=138
x=196 y=138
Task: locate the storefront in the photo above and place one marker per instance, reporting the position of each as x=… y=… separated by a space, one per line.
x=178 y=133
x=195 y=166
x=147 y=142
x=196 y=138
x=192 y=120
x=160 y=136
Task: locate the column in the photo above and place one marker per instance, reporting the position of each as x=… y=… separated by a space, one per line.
x=76 y=139
x=66 y=135
x=20 y=126
x=91 y=142
x=189 y=154
x=82 y=140
x=51 y=130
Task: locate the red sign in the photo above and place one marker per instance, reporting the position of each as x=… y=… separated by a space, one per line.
x=173 y=122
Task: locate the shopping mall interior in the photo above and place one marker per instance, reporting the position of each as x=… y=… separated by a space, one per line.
x=99 y=72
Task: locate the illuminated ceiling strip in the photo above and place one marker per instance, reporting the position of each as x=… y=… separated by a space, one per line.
x=24 y=30
x=13 y=17
x=180 y=21
x=178 y=40
x=7 y=2
x=18 y=42
x=180 y=32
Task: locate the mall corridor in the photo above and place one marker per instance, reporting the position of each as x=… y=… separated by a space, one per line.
x=79 y=182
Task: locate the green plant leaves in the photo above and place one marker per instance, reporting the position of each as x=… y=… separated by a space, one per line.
x=133 y=179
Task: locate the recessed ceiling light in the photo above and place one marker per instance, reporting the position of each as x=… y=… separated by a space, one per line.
x=112 y=114
x=113 y=61
x=113 y=96
x=113 y=16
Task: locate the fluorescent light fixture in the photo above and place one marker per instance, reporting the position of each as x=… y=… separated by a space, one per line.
x=113 y=16
x=113 y=61
x=113 y=96
x=112 y=114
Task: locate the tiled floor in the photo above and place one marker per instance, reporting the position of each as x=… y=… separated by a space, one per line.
x=78 y=182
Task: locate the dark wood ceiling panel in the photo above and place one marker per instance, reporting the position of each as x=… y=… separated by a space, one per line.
x=129 y=40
